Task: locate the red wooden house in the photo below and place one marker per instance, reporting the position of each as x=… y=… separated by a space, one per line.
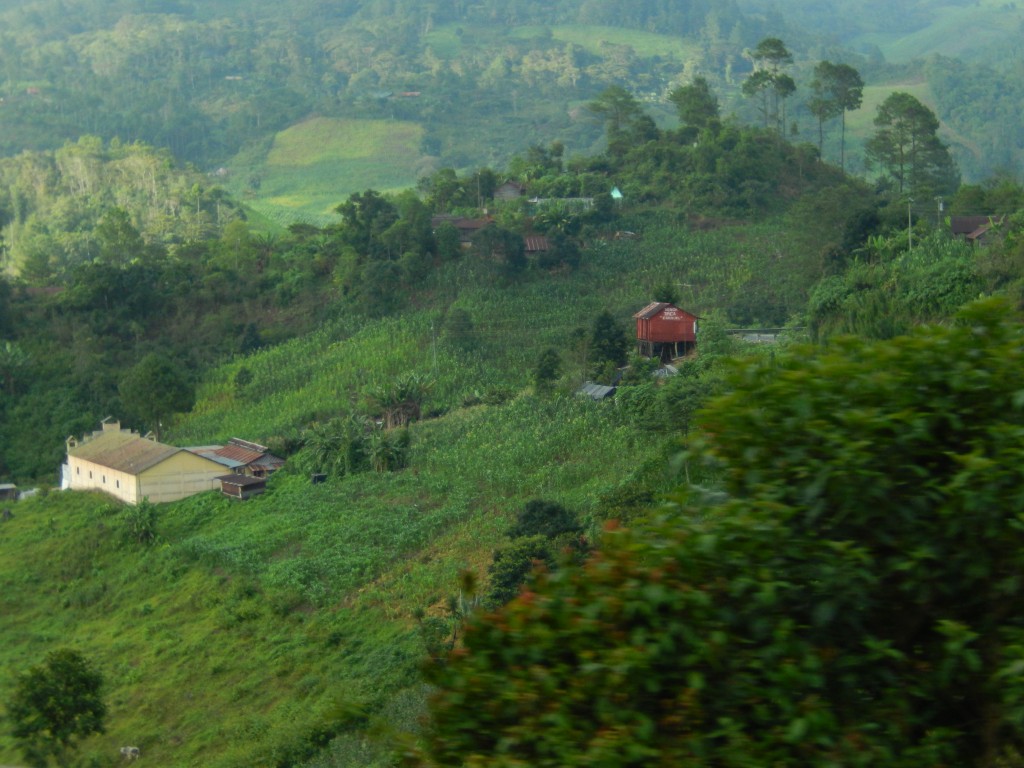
x=665 y=331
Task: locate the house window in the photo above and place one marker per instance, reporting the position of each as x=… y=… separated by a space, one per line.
x=90 y=474
x=104 y=478
x=78 y=470
x=117 y=483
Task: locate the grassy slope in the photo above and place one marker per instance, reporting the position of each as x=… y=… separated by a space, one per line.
x=313 y=166
x=860 y=123
x=247 y=625
x=971 y=32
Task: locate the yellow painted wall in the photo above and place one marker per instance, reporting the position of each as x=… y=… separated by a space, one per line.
x=183 y=474
x=176 y=477
x=87 y=476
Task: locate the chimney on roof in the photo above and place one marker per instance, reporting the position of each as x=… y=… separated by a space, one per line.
x=110 y=424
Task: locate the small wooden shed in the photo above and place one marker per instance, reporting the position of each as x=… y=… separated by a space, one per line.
x=665 y=331
x=8 y=492
x=242 y=487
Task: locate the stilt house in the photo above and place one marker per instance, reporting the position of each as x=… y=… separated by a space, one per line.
x=664 y=331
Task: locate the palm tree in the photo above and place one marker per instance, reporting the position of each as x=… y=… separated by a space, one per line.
x=401 y=401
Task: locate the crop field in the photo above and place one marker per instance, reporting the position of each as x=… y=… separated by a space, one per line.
x=202 y=666
x=448 y=40
x=312 y=167
x=326 y=374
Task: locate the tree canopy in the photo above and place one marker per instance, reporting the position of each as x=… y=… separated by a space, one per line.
x=56 y=704
x=837 y=89
x=696 y=103
x=155 y=389
x=907 y=147
x=770 y=81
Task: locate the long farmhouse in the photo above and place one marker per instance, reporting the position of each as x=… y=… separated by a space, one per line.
x=131 y=467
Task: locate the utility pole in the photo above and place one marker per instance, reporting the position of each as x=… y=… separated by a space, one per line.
x=910 y=223
x=433 y=346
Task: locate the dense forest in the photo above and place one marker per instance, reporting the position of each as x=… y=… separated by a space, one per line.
x=795 y=552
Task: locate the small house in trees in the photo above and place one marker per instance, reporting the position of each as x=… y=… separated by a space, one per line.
x=510 y=190
x=131 y=467
x=974 y=229
x=465 y=227
x=8 y=492
x=665 y=331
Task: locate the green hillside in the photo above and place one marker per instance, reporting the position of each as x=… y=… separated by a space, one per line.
x=977 y=32
x=255 y=632
x=860 y=122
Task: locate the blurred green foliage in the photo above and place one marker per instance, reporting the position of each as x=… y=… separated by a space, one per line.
x=846 y=601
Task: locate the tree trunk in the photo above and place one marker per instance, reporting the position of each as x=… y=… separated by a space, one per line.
x=842 y=143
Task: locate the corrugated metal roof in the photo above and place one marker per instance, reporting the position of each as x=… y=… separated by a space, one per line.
x=243 y=481
x=211 y=453
x=980 y=232
x=535 y=243
x=248 y=444
x=123 y=451
x=595 y=391
x=651 y=310
x=656 y=307
x=239 y=453
x=964 y=225
x=269 y=461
